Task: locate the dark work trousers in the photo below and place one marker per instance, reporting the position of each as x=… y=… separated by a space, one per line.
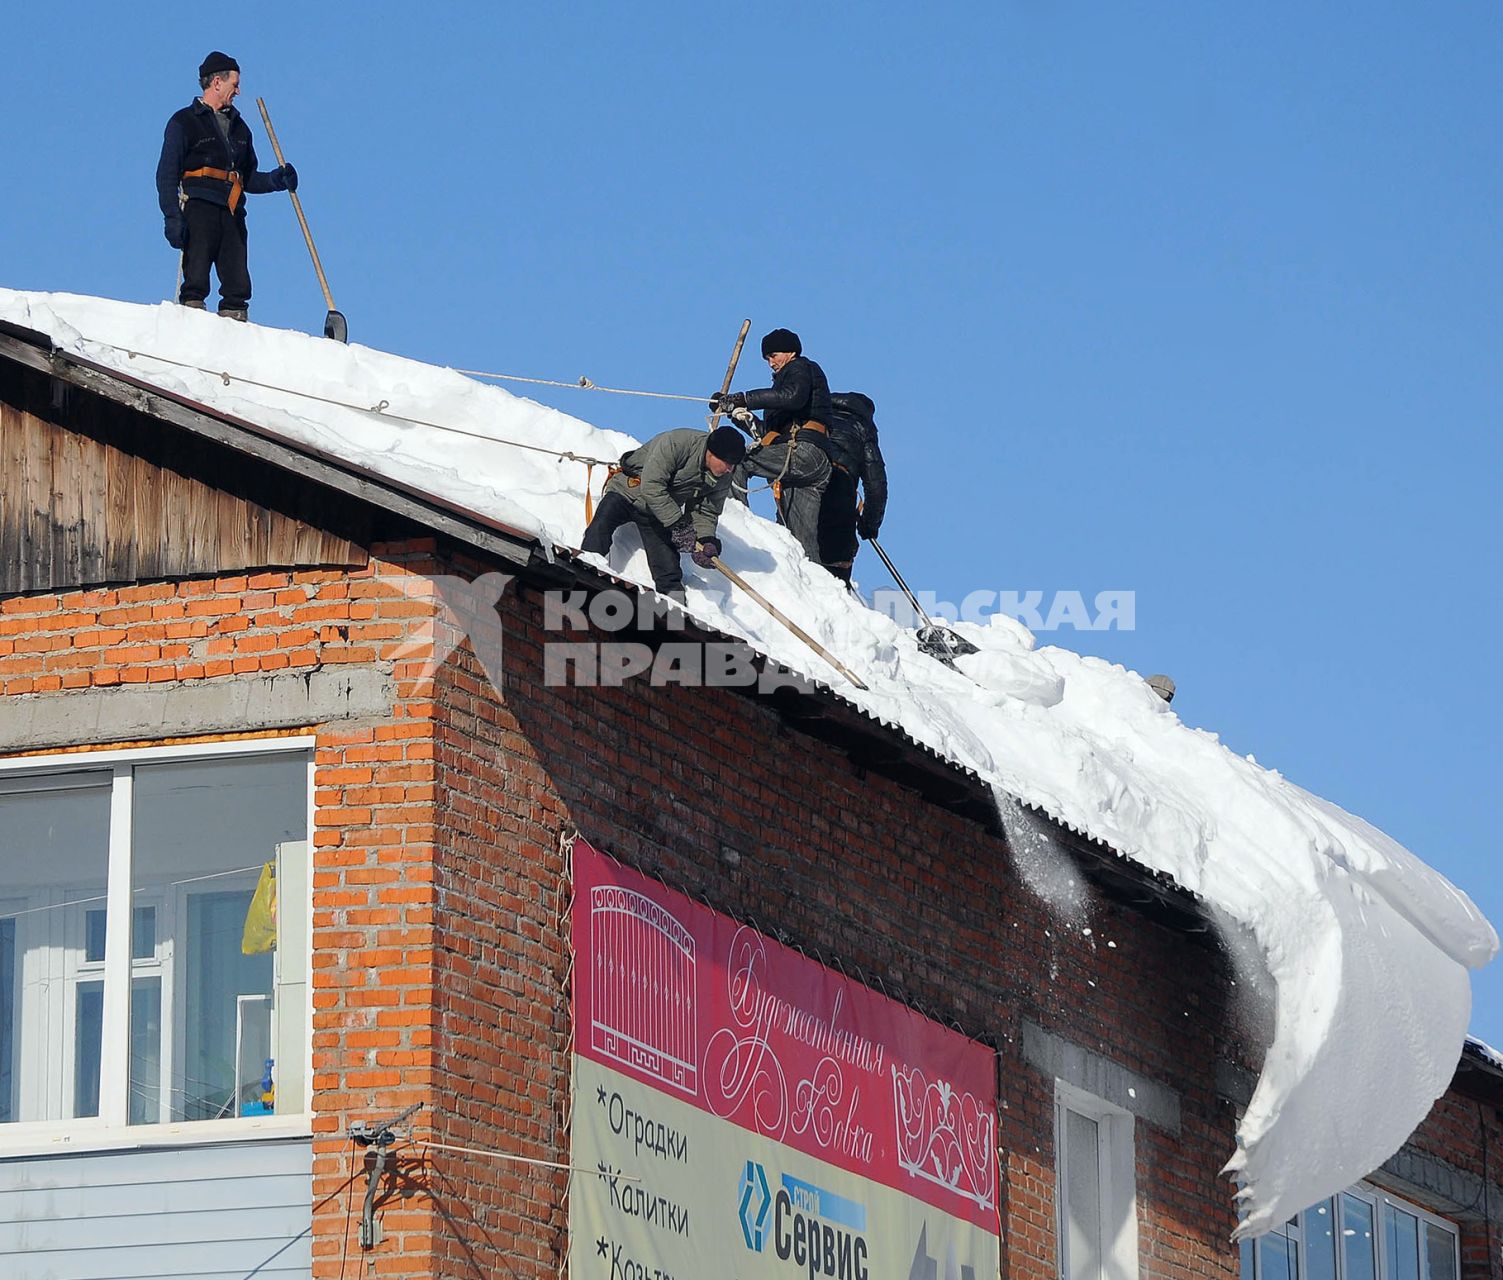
x=662 y=556
x=837 y=525
x=216 y=238
x=803 y=477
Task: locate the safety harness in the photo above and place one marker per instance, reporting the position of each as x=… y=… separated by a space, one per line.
x=232 y=176
x=772 y=438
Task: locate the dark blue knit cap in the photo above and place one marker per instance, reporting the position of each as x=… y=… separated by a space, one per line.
x=781 y=340
x=217 y=64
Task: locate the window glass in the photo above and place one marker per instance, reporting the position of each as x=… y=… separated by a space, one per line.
x=88 y=1023
x=94 y=922
x=143 y=933
x=208 y=848
x=1082 y=1196
x=145 y=1049
x=1358 y=1242
x=1414 y=1248
x=1320 y=1241
x=7 y=1017
x=54 y=867
x=1401 y=1239
x=1440 y=1252
x=1278 y=1257
x=1277 y=1253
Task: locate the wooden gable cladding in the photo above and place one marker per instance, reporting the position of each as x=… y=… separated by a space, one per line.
x=92 y=491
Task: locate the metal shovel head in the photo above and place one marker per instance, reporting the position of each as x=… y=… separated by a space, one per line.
x=944 y=644
x=335 y=327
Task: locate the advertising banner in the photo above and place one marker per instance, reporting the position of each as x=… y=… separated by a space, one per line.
x=752 y=1114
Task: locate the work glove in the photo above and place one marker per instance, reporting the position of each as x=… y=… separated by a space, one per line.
x=726 y=401
x=706 y=551
x=866 y=528
x=285 y=178
x=682 y=535
x=175 y=231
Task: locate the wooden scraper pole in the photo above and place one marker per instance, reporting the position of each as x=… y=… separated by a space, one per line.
x=787 y=622
x=298 y=206
x=730 y=369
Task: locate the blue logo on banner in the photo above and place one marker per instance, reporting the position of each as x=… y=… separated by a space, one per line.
x=755 y=1205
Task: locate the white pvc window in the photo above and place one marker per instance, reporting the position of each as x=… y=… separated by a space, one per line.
x=1361 y=1234
x=154 y=938
x=1095 y=1187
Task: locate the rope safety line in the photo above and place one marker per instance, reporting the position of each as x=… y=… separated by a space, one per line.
x=381 y=409
x=584 y=384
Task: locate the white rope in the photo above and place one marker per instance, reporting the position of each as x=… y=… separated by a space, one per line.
x=584 y=384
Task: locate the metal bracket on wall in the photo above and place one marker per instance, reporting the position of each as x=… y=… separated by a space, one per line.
x=382 y=1137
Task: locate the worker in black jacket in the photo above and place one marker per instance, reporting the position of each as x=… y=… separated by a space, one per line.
x=856 y=459
x=791 y=449
x=207 y=152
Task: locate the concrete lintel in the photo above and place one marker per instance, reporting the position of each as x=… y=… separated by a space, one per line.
x=1055 y=1056
x=1234 y=1083
x=1435 y=1183
x=233 y=704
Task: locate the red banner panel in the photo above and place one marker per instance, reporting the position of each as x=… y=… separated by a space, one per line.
x=689 y=1002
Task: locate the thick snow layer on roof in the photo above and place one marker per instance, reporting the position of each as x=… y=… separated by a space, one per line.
x=1486 y=1051
x=1367 y=947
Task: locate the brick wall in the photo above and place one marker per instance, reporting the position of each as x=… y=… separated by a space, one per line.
x=714 y=794
x=439 y=895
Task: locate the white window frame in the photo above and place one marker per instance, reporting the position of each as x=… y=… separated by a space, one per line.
x=111 y=1128
x=1377 y=1197
x=1116 y=1175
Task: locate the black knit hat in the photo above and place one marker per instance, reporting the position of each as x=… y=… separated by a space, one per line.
x=781 y=340
x=726 y=444
x=217 y=64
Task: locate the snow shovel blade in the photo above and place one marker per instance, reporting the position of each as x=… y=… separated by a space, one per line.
x=944 y=644
x=336 y=328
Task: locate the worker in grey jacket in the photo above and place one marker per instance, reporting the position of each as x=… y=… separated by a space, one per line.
x=673 y=488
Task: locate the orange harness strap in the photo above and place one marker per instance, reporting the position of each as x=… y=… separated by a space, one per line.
x=589 y=501
x=224 y=175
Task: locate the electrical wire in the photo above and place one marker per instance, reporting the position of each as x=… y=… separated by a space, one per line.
x=491 y=1154
x=149 y=888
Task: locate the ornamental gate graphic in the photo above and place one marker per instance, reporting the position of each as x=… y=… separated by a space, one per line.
x=642 y=993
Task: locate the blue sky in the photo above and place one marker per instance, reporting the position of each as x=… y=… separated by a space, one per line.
x=1198 y=301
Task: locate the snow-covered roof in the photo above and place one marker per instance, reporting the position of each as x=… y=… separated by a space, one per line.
x=1367 y=947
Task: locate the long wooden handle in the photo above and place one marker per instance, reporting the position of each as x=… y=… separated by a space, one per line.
x=787 y=621
x=297 y=206
x=730 y=369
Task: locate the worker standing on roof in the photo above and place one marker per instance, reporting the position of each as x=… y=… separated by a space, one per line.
x=208 y=164
x=857 y=461
x=673 y=488
x=791 y=436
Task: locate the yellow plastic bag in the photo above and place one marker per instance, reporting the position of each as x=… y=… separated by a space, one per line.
x=261 y=919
